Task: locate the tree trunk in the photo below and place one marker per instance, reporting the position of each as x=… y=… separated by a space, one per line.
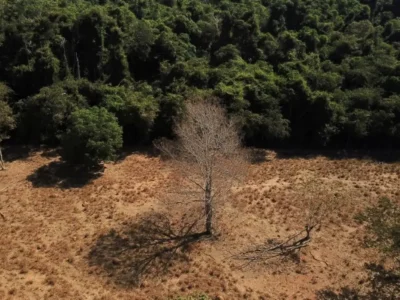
x=78 y=65
x=67 y=71
x=208 y=208
x=2 y=167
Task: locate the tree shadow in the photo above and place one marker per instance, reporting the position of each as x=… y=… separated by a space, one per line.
x=62 y=175
x=50 y=152
x=148 y=151
x=17 y=152
x=382 y=284
x=375 y=155
x=345 y=293
x=257 y=156
x=146 y=249
x=22 y=152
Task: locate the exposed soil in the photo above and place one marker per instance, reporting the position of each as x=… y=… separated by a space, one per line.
x=64 y=234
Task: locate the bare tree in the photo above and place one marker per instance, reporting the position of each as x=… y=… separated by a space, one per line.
x=207 y=154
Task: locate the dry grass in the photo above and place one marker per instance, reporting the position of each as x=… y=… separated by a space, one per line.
x=49 y=231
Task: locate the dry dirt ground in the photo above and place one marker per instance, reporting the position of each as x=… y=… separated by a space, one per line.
x=65 y=236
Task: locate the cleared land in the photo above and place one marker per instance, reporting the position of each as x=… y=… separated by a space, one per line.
x=66 y=237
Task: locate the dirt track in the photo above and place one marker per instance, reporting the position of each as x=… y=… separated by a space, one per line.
x=50 y=245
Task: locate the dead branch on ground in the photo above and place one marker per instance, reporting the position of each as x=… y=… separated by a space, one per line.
x=319 y=205
x=273 y=249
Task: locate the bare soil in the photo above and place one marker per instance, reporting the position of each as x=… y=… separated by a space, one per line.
x=65 y=235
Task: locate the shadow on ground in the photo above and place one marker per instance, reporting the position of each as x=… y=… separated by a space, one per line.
x=13 y=153
x=257 y=156
x=384 y=156
x=146 y=249
x=382 y=284
x=148 y=151
x=62 y=175
x=22 y=152
x=50 y=152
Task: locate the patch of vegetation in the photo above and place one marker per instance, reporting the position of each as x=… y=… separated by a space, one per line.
x=7 y=120
x=382 y=284
x=193 y=297
x=93 y=136
x=382 y=222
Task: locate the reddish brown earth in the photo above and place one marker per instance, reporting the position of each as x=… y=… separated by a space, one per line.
x=51 y=229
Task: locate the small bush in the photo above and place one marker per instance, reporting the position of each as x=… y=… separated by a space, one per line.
x=193 y=297
x=93 y=136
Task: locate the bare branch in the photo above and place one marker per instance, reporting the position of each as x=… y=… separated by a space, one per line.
x=317 y=205
x=272 y=249
x=206 y=155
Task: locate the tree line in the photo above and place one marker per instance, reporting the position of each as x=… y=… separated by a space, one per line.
x=296 y=72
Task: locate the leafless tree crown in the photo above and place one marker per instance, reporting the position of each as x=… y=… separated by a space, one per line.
x=204 y=134
x=207 y=152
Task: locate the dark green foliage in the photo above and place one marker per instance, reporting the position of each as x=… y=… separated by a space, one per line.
x=311 y=73
x=93 y=136
x=43 y=117
x=135 y=109
x=7 y=120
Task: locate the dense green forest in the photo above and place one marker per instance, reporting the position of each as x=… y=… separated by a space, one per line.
x=296 y=72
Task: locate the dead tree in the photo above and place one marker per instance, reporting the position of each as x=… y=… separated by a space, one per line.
x=78 y=66
x=317 y=205
x=207 y=155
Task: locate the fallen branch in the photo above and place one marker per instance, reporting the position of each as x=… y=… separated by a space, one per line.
x=267 y=251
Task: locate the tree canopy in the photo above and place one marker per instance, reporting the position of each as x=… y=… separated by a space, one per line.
x=304 y=72
x=92 y=137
